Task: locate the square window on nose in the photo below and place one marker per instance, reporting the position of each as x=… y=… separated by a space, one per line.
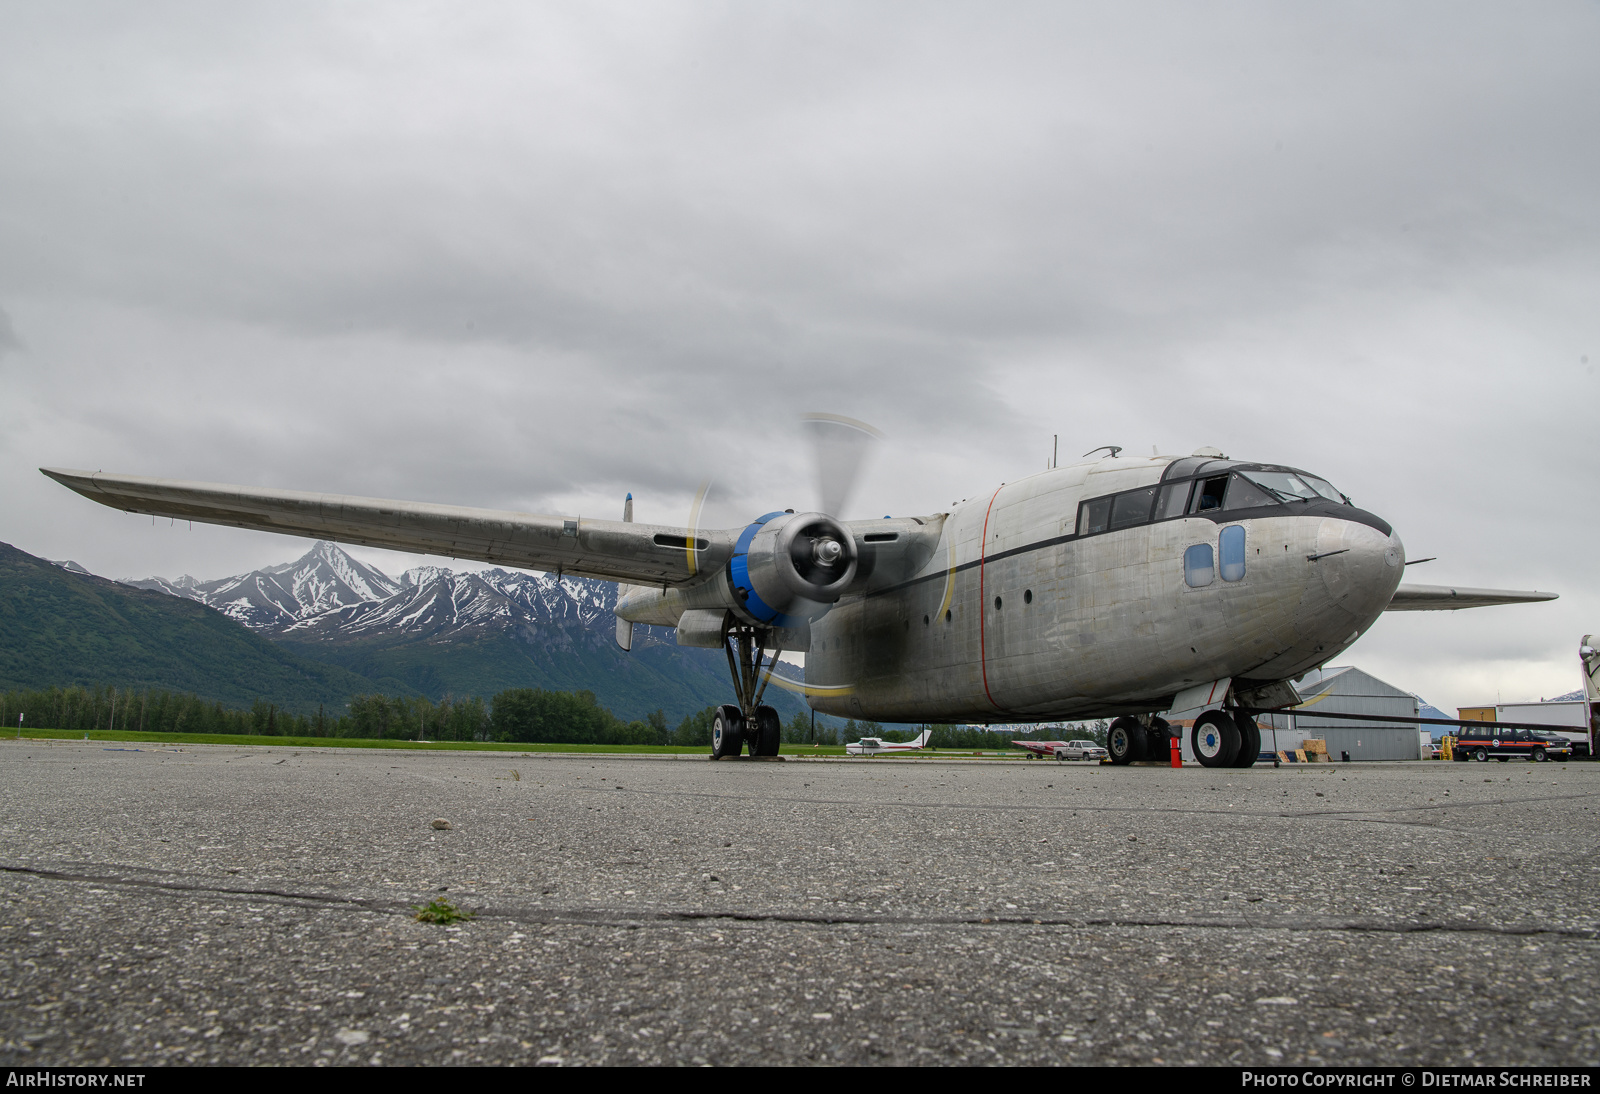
x=1232 y=552
x=1199 y=566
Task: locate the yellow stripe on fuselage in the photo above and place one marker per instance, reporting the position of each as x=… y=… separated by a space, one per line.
x=949 y=577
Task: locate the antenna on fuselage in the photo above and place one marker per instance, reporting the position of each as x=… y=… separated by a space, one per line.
x=1111 y=448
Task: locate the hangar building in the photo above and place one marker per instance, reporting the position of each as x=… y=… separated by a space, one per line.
x=1346 y=690
x=1349 y=690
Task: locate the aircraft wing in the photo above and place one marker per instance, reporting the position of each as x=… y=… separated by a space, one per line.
x=643 y=554
x=1445 y=598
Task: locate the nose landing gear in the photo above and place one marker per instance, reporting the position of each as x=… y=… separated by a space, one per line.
x=1226 y=738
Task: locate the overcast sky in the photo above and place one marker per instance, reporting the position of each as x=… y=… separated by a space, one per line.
x=537 y=256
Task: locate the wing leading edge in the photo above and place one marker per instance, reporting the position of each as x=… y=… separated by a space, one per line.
x=643 y=554
x=1447 y=598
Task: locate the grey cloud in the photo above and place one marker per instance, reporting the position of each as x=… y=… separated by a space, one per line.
x=540 y=256
x=9 y=342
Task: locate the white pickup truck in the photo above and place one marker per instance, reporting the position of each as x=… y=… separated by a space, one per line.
x=1080 y=750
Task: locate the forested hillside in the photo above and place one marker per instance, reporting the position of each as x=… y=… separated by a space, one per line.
x=59 y=628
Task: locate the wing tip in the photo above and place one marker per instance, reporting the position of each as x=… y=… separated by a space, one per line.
x=69 y=476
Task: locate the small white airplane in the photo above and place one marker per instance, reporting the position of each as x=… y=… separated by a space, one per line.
x=871 y=746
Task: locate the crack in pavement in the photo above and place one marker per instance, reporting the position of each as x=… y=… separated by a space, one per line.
x=619 y=918
x=174 y=886
x=1341 y=814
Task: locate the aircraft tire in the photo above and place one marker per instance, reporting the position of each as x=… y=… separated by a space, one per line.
x=1125 y=740
x=1215 y=739
x=1158 y=741
x=766 y=733
x=1249 y=741
x=727 y=732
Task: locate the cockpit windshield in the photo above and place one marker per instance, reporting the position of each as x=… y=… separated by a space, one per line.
x=1294 y=486
x=1284 y=486
x=1324 y=487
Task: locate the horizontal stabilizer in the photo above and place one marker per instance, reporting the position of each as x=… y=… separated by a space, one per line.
x=1448 y=598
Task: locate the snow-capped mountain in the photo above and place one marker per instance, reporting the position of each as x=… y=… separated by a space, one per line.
x=324 y=579
x=327 y=594
x=440 y=632
x=437 y=603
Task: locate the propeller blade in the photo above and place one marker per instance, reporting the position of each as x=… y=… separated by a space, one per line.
x=694 y=521
x=839 y=447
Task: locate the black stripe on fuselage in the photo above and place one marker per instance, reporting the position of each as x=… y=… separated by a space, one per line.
x=1216 y=516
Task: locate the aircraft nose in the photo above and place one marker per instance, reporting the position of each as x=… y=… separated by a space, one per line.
x=1359 y=564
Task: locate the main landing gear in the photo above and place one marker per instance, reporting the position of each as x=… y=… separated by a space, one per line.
x=1144 y=738
x=747 y=723
x=1220 y=738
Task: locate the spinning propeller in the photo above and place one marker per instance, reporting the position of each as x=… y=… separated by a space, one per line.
x=788 y=568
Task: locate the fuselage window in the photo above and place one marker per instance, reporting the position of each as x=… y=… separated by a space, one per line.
x=1244 y=494
x=1132 y=508
x=1094 y=516
x=1232 y=551
x=1198 y=569
x=1208 y=494
x=1174 y=500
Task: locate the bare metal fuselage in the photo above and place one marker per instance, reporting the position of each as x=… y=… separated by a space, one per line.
x=1014 y=617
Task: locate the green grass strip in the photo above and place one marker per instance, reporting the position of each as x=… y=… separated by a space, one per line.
x=369 y=742
x=464 y=746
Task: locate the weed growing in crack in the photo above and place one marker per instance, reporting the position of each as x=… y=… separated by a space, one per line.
x=440 y=911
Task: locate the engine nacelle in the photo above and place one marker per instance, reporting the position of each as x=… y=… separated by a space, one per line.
x=789 y=568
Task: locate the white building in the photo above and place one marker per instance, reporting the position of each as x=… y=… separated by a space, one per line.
x=1569 y=717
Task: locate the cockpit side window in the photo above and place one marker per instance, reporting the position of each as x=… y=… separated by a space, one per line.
x=1208 y=494
x=1244 y=494
x=1132 y=507
x=1173 y=501
x=1094 y=516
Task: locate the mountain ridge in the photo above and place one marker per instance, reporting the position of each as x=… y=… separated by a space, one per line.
x=446 y=632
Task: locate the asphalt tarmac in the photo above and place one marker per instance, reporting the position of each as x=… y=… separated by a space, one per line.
x=253 y=905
